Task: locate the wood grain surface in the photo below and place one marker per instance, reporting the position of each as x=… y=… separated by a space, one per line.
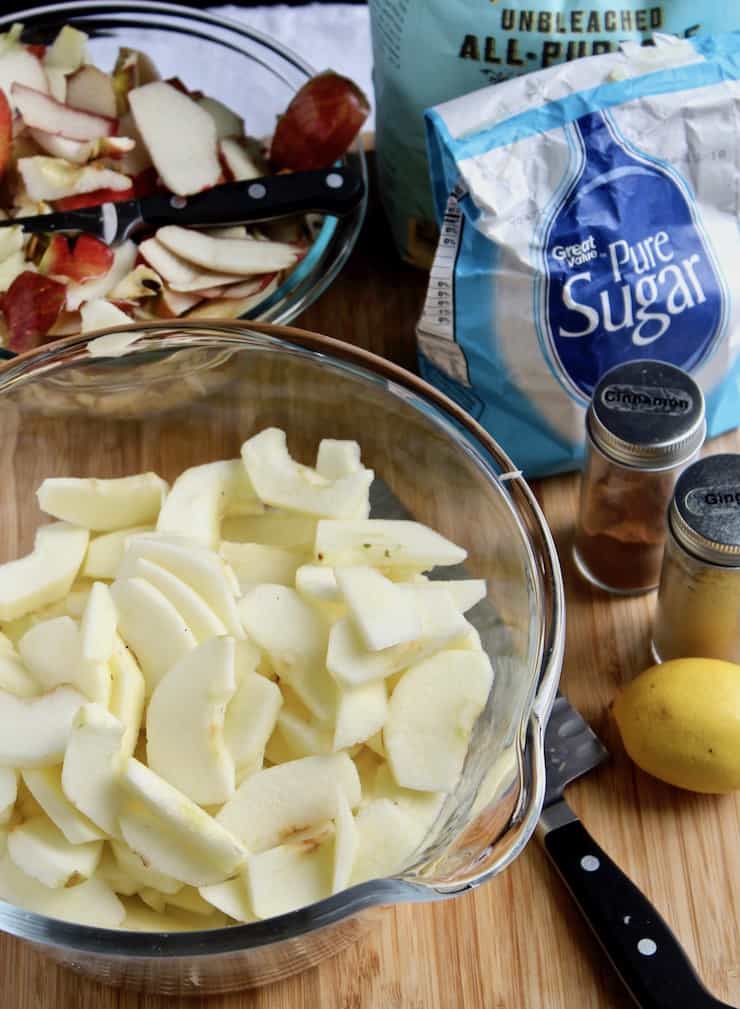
x=517 y=943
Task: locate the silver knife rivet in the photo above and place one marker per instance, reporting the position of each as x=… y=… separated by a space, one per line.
x=590 y=863
x=257 y=191
x=334 y=181
x=647 y=947
x=178 y=202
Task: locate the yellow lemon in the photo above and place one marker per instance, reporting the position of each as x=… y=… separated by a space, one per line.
x=680 y=721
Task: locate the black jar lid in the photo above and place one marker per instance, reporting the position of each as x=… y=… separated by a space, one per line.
x=647 y=414
x=705 y=511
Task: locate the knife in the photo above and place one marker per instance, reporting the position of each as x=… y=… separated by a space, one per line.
x=336 y=191
x=646 y=954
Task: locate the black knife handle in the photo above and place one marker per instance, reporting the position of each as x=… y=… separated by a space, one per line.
x=646 y=954
x=335 y=191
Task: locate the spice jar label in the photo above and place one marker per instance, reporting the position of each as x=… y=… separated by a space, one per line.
x=647 y=399
x=713 y=500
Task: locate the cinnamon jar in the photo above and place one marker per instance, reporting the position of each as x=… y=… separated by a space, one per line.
x=645 y=423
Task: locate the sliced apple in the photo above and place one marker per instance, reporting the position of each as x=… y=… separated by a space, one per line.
x=181 y=276
x=289 y=877
x=172 y=304
x=128 y=690
x=318 y=583
x=92 y=766
x=190 y=702
x=132 y=69
x=140 y=918
x=68 y=51
x=136 y=868
x=19 y=66
x=173 y=834
x=111 y=873
x=239 y=161
x=90 y=903
x=52 y=651
x=361 y=712
x=229 y=897
x=387 y=839
x=91 y=89
x=103 y=505
x=303 y=736
x=105 y=552
x=352 y=664
x=101 y=314
x=8 y=792
x=39 y=849
x=424 y=807
x=272 y=804
x=196 y=612
x=384 y=543
x=227 y=122
x=11 y=240
x=239 y=256
x=200 y=568
x=336 y=458
x=254 y=563
x=31 y=304
x=98 y=625
x=78 y=152
x=231 y=307
x=280 y=481
x=294 y=635
x=124 y=257
x=179 y=135
x=274 y=528
x=152 y=627
x=367 y=763
x=202 y=495
x=142 y=282
x=42 y=112
x=45 y=785
x=346 y=841
x=431 y=716
x=14 y=677
x=34 y=731
x=375 y=743
x=250 y=720
x=56 y=81
x=382 y=613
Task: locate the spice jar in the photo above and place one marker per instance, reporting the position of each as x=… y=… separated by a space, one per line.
x=698 y=612
x=644 y=424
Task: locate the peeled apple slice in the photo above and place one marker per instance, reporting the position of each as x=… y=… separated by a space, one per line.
x=40 y=850
x=202 y=495
x=279 y=480
x=346 y=840
x=318 y=583
x=294 y=635
x=45 y=785
x=14 y=677
x=98 y=625
x=465 y=592
x=105 y=552
x=188 y=704
x=52 y=651
x=173 y=834
x=134 y=867
x=103 y=505
x=250 y=720
x=229 y=897
x=387 y=838
x=200 y=568
x=289 y=877
x=46 y=574
x=361 y=712
x=128 y=690
x=382 y=613
x=90 y=903
x=240 y=256
x=274 y=529
x=92 y=766
x=383 y=543
x=272 y=804
x=34 y=731
x=254 y=563
x=431 y=716
x=152 y=627
x=336 y=458
x=194 y=610
x=8 y=792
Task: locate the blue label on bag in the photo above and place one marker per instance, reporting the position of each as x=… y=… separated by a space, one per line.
x=628 y=272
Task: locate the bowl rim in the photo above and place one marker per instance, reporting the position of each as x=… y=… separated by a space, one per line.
x=279 y=310
x=388 y=890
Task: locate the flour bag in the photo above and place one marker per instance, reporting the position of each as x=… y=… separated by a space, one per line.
x=589 y=215
x=430 y=51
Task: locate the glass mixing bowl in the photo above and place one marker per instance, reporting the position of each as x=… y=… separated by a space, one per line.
x=250 y=72
x=189 y=394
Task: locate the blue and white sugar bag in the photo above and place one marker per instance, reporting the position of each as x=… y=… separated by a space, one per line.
x=589 y=215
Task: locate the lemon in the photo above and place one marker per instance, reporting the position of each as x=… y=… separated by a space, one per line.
x=680 y=721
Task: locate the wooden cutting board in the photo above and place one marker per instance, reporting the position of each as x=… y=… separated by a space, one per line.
x=517 y=943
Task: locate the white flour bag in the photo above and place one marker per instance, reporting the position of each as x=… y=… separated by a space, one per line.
x=589 y=216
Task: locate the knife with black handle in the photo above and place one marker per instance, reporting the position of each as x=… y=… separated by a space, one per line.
x=644 y=951
x=336 y=191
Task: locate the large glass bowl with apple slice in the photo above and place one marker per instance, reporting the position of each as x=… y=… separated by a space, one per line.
x=190 y=394
x=252 y=74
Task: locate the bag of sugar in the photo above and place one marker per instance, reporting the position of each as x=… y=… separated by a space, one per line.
x=589 y=215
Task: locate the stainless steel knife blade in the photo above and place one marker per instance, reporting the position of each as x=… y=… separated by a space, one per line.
x=572 y=748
